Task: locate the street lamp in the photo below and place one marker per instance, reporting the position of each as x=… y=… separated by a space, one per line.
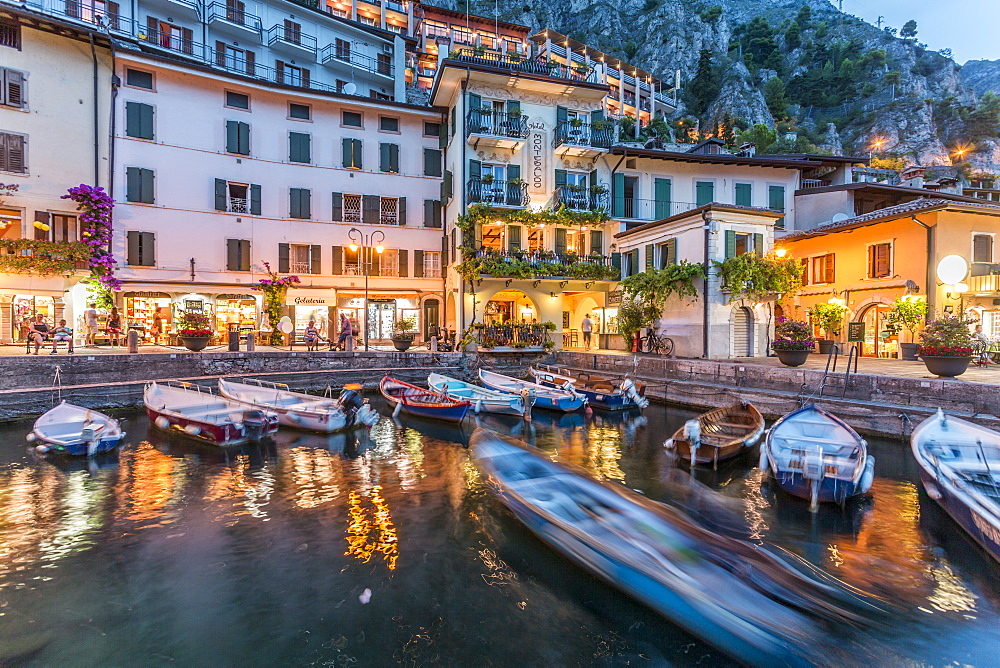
x=361 y=244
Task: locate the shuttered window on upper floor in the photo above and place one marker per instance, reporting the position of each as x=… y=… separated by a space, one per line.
x=14 y=92
x=139 y=120
x=13 y=153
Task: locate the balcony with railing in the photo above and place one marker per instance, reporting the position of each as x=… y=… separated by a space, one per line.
x=814 y=183
x=182 y=8
x=581 y=198
x=544 y=264
x=291 y=40
x=488 y=127
x=234 y=20
x=338 y=56
x=498 y=193
x=585 y=140
x=237 y=205
x=517 y=63
x=888 y=177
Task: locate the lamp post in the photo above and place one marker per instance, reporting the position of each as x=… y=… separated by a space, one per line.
x=361 y=244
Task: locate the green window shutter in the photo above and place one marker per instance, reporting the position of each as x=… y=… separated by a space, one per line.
x=299 y=147
x=220 y=194
x=633 y=262
x=513 y=172
x=596 y=242
x=418 y=263
x=650 y=250
x=475 y=169
x=454 y=115
x=133 y=185
x=299 y=203
x=744 y=194
x=337 y=267
x=146 y=177
x=315 y=259
x=514 y=237
x=560 y=178
x=776 y=200
x=293 y=203
x=232 y=136
x=282 y=258
x=384 y=160
x=446 y=186
x=404 y=263
x=139 y=120
x=562 y=115
x=616 y=262
x=592 y=179
x=704 y=192
x=254 y=199
x=356 y=153
x=346 y=151
x=437 y=214
x=305 y=202
x=432 y=162
x=443 y=136
x=337 y=212
x=147 y=249
x=401 y=211
x=671 y=251
x=232 y=254
x=429 y=213
x=376 y=268
x=132 y=246
x=758 y=245
x=514 y=107
x=244 y=138
x=394 y=158
x=444 y=250
x=475 y=102
x=597 y=115
x=662 y=195
x=245 y=255
x=560 y=240
x=618 y=208
x=730 y=243
x=370 y=209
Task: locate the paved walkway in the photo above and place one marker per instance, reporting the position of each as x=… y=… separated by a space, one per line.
x=17 y=350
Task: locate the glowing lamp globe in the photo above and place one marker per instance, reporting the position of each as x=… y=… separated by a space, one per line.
x=952 y=269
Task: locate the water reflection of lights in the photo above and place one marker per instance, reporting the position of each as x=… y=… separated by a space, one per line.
x=29 y=508
x=950 y=594
x=411 y=466
x=315 y=476
x=149 y=482
x=755 y=503
x=604 y=452
x=80 y=500
x=498 y=573
x=360 y=528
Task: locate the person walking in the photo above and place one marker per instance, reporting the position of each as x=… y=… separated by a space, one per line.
x=90 y=320
x=587 y=327
x=157 y=327
x=38 y=331
x=114 y=326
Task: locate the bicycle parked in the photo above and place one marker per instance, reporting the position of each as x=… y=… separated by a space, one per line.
x=656 y=344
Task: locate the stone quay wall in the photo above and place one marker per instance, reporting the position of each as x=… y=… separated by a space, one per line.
x=883 y=405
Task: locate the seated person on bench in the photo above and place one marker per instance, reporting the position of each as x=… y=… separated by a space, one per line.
x=311 y=336
x=62 y=333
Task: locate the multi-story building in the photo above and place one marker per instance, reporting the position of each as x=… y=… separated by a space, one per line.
x=54 y=104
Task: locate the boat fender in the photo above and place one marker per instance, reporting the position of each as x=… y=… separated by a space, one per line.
x=479 y=406
x=397 y=409
x=932 y=491
x=762 y=463
x=193 y=430
x=692 y=434
x=162 y=422
x=42 y=449
x=31 y=438
x=668 y=444
x=868 y=476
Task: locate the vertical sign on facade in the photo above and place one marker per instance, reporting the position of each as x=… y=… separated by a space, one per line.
x=538 y=149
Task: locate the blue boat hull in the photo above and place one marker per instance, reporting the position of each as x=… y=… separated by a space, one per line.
x=610 y=402
x=566 y=404
x=79 y=449
x=980 y=529
x=831 y=490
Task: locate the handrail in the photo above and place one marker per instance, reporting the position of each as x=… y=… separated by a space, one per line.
x=496 y=123
x=502 y=193
x=584 y=199
x=578 y=133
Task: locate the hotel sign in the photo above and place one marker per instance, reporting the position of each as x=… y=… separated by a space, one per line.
x=539 y=151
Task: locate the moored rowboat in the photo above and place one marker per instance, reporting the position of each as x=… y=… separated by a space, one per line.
x=483 y=400
x=718 y=434
x=302 y=411
x=601 y=392
x=420 y=402
x=74 y=430
x=564 y=399
x=196 y=412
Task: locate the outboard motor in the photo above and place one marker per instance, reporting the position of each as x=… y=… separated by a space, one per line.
x=356 y=408
x=254 y=424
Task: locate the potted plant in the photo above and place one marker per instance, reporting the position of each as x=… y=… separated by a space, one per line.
x=486 y=179
x=405 y=328
x=576 y=123
x=194 y=330
x=479 y=50
x=598 y=189
x=909 y=313
x=829 y=318
x=793 y=342
x=946 y=346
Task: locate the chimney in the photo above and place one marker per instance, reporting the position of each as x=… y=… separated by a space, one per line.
x=912 y=177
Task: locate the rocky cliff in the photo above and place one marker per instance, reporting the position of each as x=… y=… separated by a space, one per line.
x=796 y=66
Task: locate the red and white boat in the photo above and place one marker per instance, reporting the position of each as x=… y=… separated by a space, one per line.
x=195 y=412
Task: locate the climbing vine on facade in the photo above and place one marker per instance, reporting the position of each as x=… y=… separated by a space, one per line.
x=485 y=214
x=652 y=288
x=275 y=288
x=95 y=207
x=755 y=278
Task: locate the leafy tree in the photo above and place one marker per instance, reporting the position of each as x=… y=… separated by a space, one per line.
x=705 y=86
x=761 y=135
x=711 y=14
x=893 y=78
x=984 y=121
x=909 y=29
x=759 y=46
x=793 y=36
x=804 y=17
x=774 y=95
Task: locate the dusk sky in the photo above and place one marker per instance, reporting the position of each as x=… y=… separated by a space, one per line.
x=967 y=27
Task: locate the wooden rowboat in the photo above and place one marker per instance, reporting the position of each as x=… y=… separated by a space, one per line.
x=483 y=400
x=718 y=435
x=420 y=402
x=302 y=411
x=539 y=396
x=601 y=391
x=195 y=412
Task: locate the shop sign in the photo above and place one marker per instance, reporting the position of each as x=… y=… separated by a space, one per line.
x=148 y=295
x=614 y=297
x=539 y=155
x=234 y=297
x=856 y=331
x=310 y=301
x=381 y=301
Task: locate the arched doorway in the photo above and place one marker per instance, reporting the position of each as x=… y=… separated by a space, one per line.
x=742 y=332
x=881 y=339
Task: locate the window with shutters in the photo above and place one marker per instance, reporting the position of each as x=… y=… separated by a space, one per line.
x=238 y=137
x=169 y=36
x=666 y=254
x=342 y=49
x=300 y=203
x=13 y=153
x=10 y=34
x=432 y=213
x=389 y=158
x=352 y=208
x=494 y=237
x=141 y=249
x=352 y=265
x=744 y=243
x=237 y=197
x=139 y=79
x=388 y=262
x=982 y=248
x=299 y=257
x=139 y=120
x=574 y=240
x=10 y=224
x=744 y=194
x=375 y=95
x=432 y=264
x=822 y=269
x=776 y=201
x=63 y=227
x=383 y=63
x=236 y=100
x=235 y=59
x=13 y=88
x=704 y=192
x=292 y=75
x=389 y=211
x=432 y=162
x=292 y=32
x=139 y=185
x=880 y=260
x=237 y=254
x=299 y=147
x=536 y=240
x=104 y=13
x=352 y=153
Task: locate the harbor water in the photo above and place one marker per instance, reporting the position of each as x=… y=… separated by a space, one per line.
x=386 y=548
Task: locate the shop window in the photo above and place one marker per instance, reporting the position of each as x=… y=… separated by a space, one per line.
x=143 y=310
x=10 y=224
x=141 y=249
x=13 y=88
x=879 y=260
x=982 y=248
x=238 y=254
x=822 y=269
x=236 y=310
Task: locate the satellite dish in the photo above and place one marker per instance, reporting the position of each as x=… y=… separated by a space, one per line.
x=350 y=88
x=286 y=327
x=837 y=217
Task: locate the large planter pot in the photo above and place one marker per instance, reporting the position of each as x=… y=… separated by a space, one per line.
x=402 y=343
x=947 y=367
x=825 y=346
x=194 y=343
x=908 y=351
x=792 y=357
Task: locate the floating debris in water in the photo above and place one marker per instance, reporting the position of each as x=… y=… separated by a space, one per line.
x=365 y=596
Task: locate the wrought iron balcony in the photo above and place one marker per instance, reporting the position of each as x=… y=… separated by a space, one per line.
x=545 y=264
x=518 y=63
x=596 y=135
x=336 y=55
x=226 y=14
x=500 y=193
x=489 y=122
x=579 y=198
x=282 y=35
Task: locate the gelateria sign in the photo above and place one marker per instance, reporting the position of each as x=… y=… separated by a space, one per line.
x=539 y=151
